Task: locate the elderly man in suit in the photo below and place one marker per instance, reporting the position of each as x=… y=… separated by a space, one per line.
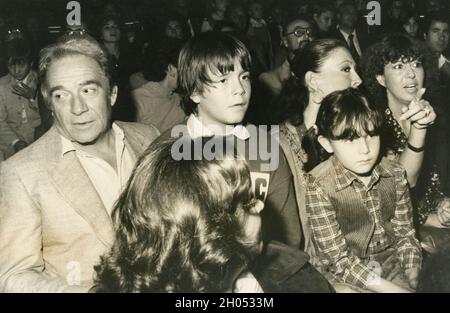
x=57 y=194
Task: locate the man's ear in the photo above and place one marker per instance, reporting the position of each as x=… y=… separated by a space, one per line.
x=48 y=103
x=325 y=143
x=381 y=80
x=284 y=41
x=113 y=96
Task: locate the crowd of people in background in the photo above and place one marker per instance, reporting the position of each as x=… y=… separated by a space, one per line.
x=362 y=120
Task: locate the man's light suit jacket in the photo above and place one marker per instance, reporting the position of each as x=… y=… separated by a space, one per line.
x=53 y=224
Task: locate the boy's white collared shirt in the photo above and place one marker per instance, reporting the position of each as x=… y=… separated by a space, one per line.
x=442 y=60
x=196 y=129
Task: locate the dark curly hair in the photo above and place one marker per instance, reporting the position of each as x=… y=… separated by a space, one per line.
x=178 y=225
x=391 y=49
x=294 y=97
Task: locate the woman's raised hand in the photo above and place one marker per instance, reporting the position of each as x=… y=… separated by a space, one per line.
x=420 y=112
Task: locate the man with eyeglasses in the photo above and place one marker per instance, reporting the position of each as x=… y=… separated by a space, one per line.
x=297 y=32
x=19 y=112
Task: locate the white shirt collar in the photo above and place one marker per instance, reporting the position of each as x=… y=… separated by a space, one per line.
x=67 y=145
x=196 y=129
x=345 y=34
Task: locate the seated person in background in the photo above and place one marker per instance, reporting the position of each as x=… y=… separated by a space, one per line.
x=216 y=16
x=156 y=102
x=171 y=28
x=359 y=206
x=323 y=15
x=297 y=32
x=213 y=70
x=194 y=226
x=19 y=112
x=259 y=40
x=436 y=35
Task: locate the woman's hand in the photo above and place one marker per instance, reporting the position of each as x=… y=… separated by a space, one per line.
x=443 y=212
x=419 y=112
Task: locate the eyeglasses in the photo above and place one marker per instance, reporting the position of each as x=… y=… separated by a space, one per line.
x=300 y=32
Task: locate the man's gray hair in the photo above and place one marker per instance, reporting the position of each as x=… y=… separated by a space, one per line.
x=72 y=45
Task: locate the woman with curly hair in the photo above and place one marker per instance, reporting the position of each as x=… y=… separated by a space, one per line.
x=319 y=68
x=194 y=226
x=395 y=71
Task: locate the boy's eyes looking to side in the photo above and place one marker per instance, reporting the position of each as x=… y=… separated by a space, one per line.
x=352 y=139
x=227 y=77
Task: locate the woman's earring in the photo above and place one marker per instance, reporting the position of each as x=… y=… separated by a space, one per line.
x=317 y=96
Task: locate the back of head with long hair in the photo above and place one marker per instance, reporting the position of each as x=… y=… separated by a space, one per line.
x=294 y=97
x=345 y=115
x=178 y=226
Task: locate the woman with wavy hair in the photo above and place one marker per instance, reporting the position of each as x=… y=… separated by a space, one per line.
x=395 y=70
x=194 y=226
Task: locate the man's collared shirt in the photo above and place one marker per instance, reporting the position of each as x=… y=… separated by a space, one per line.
x=107 y=181
x=329 y=237
x=442 y=60
x=355 y=39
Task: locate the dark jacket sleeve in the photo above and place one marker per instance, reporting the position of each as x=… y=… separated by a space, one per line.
x=281 y=268
x=281 y=219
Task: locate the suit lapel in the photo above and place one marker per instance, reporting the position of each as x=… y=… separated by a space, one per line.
x=73 y=183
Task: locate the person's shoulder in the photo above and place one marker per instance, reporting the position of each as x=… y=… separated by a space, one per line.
x=176 y=131
x=391 y=165
x=35 y=155
x=323 y=171
x=5 y=80
x=146 y=130
x=145 y=89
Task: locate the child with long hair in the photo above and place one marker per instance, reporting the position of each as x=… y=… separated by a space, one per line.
x=358 y=204
x=194 y=226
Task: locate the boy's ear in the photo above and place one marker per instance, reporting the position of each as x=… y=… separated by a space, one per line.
x=113 y=96
x=325 y=143
x=381 y=80
x=195 y=97
x=172 y=70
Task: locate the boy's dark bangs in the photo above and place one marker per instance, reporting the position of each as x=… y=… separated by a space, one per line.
x=222 y=61
x=17 y=59
x=360 y=122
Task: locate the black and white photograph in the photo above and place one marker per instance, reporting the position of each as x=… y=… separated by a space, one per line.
x=224 y=146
